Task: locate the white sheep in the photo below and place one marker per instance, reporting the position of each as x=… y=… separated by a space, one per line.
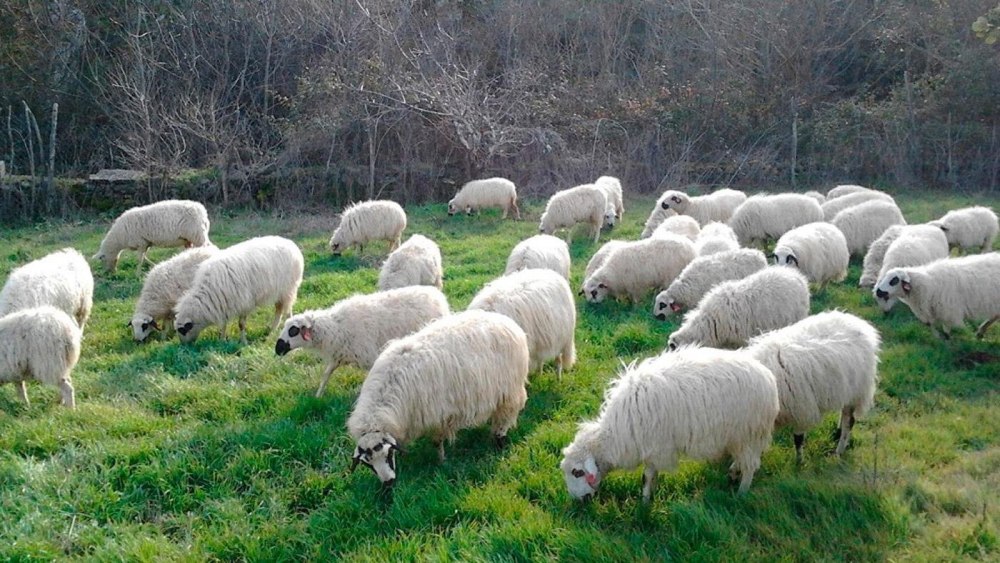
x=163 y=288
x=715 y=237
x=566 y=208
x=845 y=189
x=540 y=251
x=486 y=193
x=682 y=225
x=820 y=198
x=541 y=302
x=613 y=191
x=699 y=402
x=818 y=250
x=638 y=267
x=237 y=280
x=766 y=217
x=416 y=262
x=40 y=343
x=169 y=223
x=735 y=311
x=916 y=245
x=354 y=331
x=457 y=372
x=872 y=264
x=969 y=228
x=704 y=273
x=834 y=206
x=656 y=216
x=862 y=224
x=599 y=257
x=826 y=362
x=716 y=206
x=946 y=292
x=369 y=221
x=61 y=279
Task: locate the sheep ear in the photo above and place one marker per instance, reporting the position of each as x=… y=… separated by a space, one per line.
x=154 y=324
x=307 y=334
x=906 y=287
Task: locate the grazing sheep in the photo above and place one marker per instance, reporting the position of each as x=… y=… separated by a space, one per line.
x=41 y=343
x=946 y=292
x=716 y=206
x=704 y=273
x=845 y=189
x=457 y=372
x=699 y=402
x=416 y=262
x=61 y=279
x=163 y=288
x=369 y=221
x=715 y=237
x=174 y=222
x=639 y=267
x=766 y=217
x=826 y=362
x=236 y=281
x=818 y=250
x=834 y=206
x=916 y=245
x=656 y=216
x=599 y=257
x=490 y=192
x=540 y=251
x=613 y=190
x=735 y=311
x=566 y=208
x=355 y=330
x=679 y=225
x=820 y=198
x=876 y=253
x=862 y=224
x=972 y=228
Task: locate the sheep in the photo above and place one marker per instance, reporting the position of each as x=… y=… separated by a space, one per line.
x=599 y=257
x=457 y=372
x=368 y=221
x=845 y=189
x=946 y=292
x=355 y=330
x=638 y=267
x=486 y=193
x=716 y=206
x=715 y=237
x=613 y=191
x=416 y=262
x=834 y=206
x=872 y=264
x=566 y=208
x=969 y=228
x=916 y=245
x=163 y=288
x=818 y=250
x=699 y=402
x=40 y=343
x=61 y=279
x=682 y=225
x=765 y=217
x=656 y=216
x=541 y=303
x=169 y=223
x=735 y=311
x=862 y=224
x=540 y=251
x=826 y=362
x=820 y=198
x=236 y=281
x=704 y=273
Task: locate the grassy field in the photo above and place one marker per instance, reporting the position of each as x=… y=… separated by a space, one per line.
x=220 y=451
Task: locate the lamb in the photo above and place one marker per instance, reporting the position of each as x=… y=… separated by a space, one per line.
x=163 y=288
x=657 y=216
x=169 y=223
x=700 y=402
x=236 y=281
x=639 y=267
x=916 y=245
x=818 y=250
x=415 y=262
x=876 y=254
x=679 y=225
x=486 y=193
x=61 y=279
x=765 y=217
x=826 y=362
x=40 y=343
x=735 y=311
x=946 y=292
x=540 y=251
x=355 y=330
x=541 y=303
x=704 y=273
x=457 y=372
x=969 y=228
x=566 y=208
x=715 y=237
x=716 y=206
x=862 y=224
x=613 y=191
x=845 y=189
x=599 y=257
x=820 y=198
x=369 y=221
x=834 y=206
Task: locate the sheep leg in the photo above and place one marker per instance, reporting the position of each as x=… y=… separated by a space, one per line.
x=597 y=232
x=22 y=391
x=981 y=331
x=517 y=210
x=439 y=442
x=799 y=440
x=846 y=424
x=243 y=330
x=224 y=329
x=326 y=377
x=559 y=366
x=279 y=311
x=68 y=395
x=649 y=475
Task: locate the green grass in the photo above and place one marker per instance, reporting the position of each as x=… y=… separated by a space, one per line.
x=219 y=451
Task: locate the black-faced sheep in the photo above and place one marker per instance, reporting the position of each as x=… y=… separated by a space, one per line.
x=704 y=273
x=163 y=288
x=818 y=250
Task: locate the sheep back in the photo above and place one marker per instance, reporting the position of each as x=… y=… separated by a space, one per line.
x=872 y=264
x=862 y=224
x=40 y=343
x=682 y=225
x=486 y=193
x=843 y=190
x=704 y=273
x=540 y=251
x=836 y=205
x=765 y=217
x=416 y=262
x=61 y=279
x=368 y=221
x=169 y=223
x=638 y=267
x=599 y=257
x=165 y=284
x=581 y=204
x=818 y=250
x=970 y=227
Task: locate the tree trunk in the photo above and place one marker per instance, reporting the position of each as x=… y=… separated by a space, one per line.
x=52 y=156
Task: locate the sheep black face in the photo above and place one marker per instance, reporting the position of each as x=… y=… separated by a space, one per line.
x=596 y=291
x=451 y=208
x=188 y=330
x=377 y=450
x=335 y=248
x=784 y=257
x=143 y=326
x=582 y=476
x=297 y=333
x=893 y=285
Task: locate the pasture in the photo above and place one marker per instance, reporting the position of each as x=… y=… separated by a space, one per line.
x=220 y=451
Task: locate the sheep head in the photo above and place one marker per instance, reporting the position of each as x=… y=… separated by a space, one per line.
x=895 y=284
x=377 y=450
x=142 y=326
x=298 y=332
